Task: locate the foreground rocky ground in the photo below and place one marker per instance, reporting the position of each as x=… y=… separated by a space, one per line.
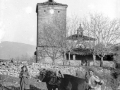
x=12 y=83
x=9 y=74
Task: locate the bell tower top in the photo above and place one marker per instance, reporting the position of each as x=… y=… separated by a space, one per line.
x=80 y=30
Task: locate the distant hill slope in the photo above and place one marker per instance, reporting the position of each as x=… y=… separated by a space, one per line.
x=13 y=49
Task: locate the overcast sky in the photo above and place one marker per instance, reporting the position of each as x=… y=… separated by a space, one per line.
x=18 y=17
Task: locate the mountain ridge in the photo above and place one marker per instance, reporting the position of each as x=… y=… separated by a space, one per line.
x=10 y=50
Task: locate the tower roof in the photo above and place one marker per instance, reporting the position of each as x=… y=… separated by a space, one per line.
x=52 y=2
x=80 y=35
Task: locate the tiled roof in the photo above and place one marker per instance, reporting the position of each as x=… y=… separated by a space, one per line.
x=77 y=37
x=81 y=51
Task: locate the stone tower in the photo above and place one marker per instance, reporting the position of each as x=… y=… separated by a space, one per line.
x=51 y=19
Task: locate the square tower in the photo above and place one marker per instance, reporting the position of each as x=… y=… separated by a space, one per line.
x=51 y=24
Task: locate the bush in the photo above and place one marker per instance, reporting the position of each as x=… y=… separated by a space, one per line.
x=114 y=82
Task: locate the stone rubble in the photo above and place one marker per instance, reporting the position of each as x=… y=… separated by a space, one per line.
x=14 y=69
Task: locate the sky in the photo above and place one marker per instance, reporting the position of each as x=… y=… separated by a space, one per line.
x=18 y=19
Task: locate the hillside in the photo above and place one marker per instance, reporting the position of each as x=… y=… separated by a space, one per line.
x=13 y=50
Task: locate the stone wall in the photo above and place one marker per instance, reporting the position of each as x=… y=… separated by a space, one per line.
x=33 y=69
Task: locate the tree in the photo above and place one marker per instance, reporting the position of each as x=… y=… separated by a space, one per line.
x=101 y=51
x=53 y=42
x=104 y=30
x=116 y=50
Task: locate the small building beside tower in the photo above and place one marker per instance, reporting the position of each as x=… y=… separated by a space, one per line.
x=81 y=51
x=51 y=19
x=84 y=48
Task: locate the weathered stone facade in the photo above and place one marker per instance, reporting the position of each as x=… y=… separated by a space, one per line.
x=51 y=17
